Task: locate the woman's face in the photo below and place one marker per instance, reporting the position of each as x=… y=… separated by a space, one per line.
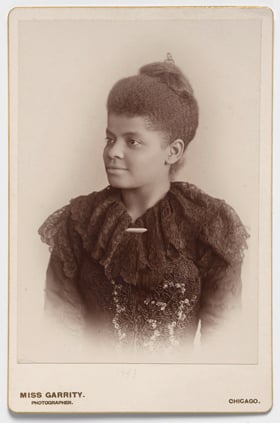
x=134 y=154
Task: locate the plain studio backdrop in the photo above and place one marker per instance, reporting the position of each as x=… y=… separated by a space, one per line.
x=67 y=63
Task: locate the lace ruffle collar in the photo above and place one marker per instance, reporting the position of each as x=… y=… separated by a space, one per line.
x=184 y=213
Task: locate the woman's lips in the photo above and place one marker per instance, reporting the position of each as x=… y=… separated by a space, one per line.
x=115 y=169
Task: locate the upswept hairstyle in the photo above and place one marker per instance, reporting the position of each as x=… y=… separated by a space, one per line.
x=162 y=93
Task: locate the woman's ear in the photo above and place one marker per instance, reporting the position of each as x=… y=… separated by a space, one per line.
x=175 y=151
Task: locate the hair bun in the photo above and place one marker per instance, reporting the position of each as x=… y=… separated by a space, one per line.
x=168 y=73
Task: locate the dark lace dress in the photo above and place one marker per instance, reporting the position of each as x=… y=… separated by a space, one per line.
x=145 y=290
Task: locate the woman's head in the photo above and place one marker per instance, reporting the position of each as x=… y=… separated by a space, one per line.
x=161 y=93
x=162 y=97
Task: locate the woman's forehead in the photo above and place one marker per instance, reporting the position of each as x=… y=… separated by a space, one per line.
x=127 y=124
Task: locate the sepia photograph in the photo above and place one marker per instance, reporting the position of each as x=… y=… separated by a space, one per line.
x=140 y=207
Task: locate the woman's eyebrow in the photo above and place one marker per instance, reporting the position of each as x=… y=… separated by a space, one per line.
x=130 y=133
x=108 y=132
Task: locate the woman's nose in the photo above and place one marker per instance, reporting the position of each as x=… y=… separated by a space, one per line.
x=115 y=150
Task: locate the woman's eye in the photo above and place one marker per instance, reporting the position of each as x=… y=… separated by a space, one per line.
x=133 y=142
x=109 y=140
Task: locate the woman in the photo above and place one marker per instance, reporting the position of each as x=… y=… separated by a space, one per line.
x=143 y=261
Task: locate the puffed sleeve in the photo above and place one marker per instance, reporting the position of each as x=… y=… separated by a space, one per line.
x=221 y=251
x=63 y=301
x=221 y=294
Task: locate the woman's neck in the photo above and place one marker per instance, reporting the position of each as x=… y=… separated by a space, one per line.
x=138 y=200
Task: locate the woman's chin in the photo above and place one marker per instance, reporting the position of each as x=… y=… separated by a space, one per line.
x=117 y=182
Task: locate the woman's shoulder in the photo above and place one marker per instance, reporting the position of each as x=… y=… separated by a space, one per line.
x=78 y=209
x=217 y=223
x=198 y=196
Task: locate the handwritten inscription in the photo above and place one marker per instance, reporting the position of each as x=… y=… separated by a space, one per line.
x=128 y=373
